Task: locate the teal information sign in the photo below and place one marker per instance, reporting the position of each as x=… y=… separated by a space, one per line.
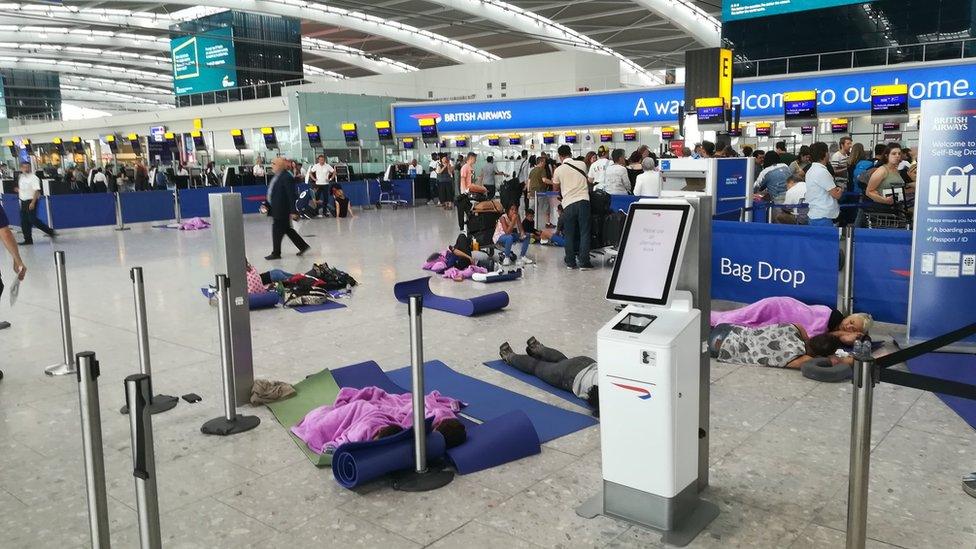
x=734 y=10
x=204 y=62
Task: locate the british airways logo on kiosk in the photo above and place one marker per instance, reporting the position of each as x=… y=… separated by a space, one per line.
x=641 y=393
x=838 y=92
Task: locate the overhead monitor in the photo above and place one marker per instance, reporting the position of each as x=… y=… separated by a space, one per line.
x=77 y=145
x=134 y=144
x=667 y=133
x=170 y=140
x=735 y=131
x=384 y=131
x=515 y=139
x=408 y=143
x=198 y=143
x=650 y=252
x=428 y=130
x=630 y=135
x=12 y=146
x=606 y=136
x=800 y=108
x=548 y=138
x=113 y=143
x=735 y=10
x=889 y=103
x=711 y=113
x=806 y=130
x=445 y=143
x=461 y=141
x=58 y=145
x=270 y=139
x=838 y=125
x=350 y=133
x=891 y=126
x=203 y=62
x=157 y=133
x=570 y=138
x=764 y=129
x=493 y=140
x=313 y=135
x=238 y=136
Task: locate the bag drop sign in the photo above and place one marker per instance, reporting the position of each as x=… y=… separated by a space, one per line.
x=762 y=271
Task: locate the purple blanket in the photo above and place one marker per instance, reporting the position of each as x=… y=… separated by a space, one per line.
x=776 y=310
x=358 y=414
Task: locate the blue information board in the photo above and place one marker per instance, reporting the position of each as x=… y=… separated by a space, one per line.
x=204 y=62
x=734 y=10
x=943 y=280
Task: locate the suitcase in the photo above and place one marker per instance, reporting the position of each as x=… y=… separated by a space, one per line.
x=600 y=203
x=596 y=231
x=613 y=228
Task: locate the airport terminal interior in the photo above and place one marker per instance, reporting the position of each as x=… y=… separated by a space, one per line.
x=476 y=273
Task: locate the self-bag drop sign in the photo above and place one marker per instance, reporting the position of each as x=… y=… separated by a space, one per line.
x=943 y=280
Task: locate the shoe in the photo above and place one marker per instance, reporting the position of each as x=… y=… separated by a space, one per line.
x=52 y=235
x=272 y=257
x=507 y=262
x=25 y=243
x=544 y=241
x=320 y=216
x=303 y=250
x=571 y=267
x=526 y=260
x=586 y=267
x=969 y=484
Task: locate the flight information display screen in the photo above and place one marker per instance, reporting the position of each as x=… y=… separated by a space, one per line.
x=763 y=130
x=606 y=137
x=806 y=130
x=493 y=141
x=350 y=133
x=667 y=133
x=711 y=117
x=514 y=140
x=630 y=136
x=889 y=103
x=838 y=126
x=734 y=10
x=428 y=130
x=408 y=143
x=548 y=139
x=570 y=138
x=799 y=108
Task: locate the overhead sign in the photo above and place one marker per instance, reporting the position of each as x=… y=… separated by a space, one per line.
x=725 y=76
x=204 y=62
x=944 y=245
x=838 y=93
x=889 y=103
x=733 y=10
x=800 y=108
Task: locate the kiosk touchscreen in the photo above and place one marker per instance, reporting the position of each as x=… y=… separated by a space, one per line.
x=648 y=358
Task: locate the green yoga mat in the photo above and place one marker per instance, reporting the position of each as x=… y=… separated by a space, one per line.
x=310 y=393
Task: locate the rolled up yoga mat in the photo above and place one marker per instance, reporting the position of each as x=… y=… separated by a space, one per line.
x=466 y=307
x=263 y=301
x=357 y=463
x=506 y=438
x=488 y=278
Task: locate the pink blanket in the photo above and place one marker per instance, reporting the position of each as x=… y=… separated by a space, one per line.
x=458 y=274
x=358 y=414
x=776 y=310
x=195 y=224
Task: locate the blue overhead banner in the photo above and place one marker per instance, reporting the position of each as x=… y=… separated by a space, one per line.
x=943 y=281
x=734 y=10
x=750 y=262
x=204 y=62
x=839 y=92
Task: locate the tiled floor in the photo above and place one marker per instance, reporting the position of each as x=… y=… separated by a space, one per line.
x=779 y=441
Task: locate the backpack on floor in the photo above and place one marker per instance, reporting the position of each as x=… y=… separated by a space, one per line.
x=306 y=295
x=613 y=228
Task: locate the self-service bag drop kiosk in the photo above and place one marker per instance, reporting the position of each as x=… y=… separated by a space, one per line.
x=649 y=374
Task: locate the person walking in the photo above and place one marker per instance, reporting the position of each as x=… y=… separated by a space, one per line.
x=281 y=197
x=29 y=190
x=571 y=180
x=10 y=243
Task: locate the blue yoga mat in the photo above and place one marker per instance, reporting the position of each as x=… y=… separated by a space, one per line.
x=487 y=402
x=465 y=307
x=500 y=277
x=953 y=367
x=327 y=306
x=357 y=463
x=265 y=300
x=505 y=368
x=366 y=374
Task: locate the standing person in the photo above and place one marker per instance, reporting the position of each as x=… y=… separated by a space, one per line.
x=10 y=243
x=857 y=163
x=707 y=149
x=29 y=190
x=433 y=186
x=539 y=183
x=838 y=160
x=141 y=177
x=822 y=192
x=323 y=175
x=488 y=174
x=444 y=175
x=571 y=180
x=523 y=167
x=258 y=169
x=785 y=156
x=648 y=182
x=598 y=168
x=616 y=179
x=281 y=196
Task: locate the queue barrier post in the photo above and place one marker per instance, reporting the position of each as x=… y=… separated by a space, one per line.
x=847 y=297
x=138 y=396
x=424 y=477
x=176 y=206
x=866 y=376
x=158 y=403
x=231 y=422
x=68 y=366
x=91 y=439
x=119 y=222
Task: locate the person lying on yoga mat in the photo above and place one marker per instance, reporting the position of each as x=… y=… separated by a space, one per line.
x=578 y=375
x=776 y=345
x=815 y=319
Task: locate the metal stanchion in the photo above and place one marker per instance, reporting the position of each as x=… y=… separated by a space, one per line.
x=769 y=212
x=119 y=223
x=138 y=395
x=230 y=423
x=423 y=478
x=847 y=297
x=68 y=366
x=865 y=378
x=159 y=403
x=91 y=441
x=176 y=205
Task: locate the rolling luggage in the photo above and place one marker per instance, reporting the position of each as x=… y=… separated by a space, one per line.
x=613 y=228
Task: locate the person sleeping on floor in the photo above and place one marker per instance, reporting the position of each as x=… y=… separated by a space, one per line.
x=370 y=413
x=577 y=375
x=814 y=319
x=780 y=345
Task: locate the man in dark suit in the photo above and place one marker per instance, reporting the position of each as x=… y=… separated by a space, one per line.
x=282 y=196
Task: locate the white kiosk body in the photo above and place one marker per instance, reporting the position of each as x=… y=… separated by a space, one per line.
x=649 y=374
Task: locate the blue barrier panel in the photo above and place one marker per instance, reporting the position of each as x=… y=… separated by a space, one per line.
x=751 y=262
x=145 y=206
x=404 y=189
x=623 y=201
x=355 y=191
x=248 y=191
x=760 y=209
x=882 y=263
x=11 y=206
x=42 y=211
x=71 y=211
x=196 y=202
